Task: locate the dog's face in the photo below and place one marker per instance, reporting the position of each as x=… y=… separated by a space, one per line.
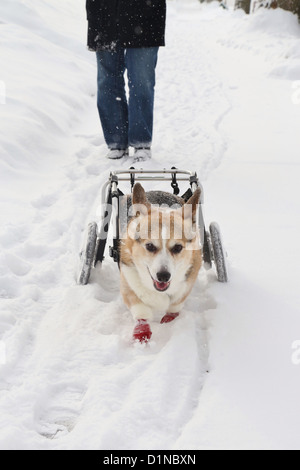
x=162 y=242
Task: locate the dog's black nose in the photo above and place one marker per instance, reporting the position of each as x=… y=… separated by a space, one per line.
x=163 y=276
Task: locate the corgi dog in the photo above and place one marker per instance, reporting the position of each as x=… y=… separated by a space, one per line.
x=160 y=256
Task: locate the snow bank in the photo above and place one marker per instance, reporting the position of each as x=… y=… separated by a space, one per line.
x=278 y=23
x=272 y=35
x=47 y=77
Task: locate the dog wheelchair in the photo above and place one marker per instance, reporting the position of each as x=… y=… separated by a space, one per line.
x=96 y=235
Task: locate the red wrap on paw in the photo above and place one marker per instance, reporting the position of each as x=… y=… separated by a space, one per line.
x=169 y=317
x=142 y=331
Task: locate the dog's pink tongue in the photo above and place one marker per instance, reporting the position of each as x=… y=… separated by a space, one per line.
x=142 y=331
x=161 y=285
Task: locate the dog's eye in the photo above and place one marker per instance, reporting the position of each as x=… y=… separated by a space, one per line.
x=176 y=249
x=150 y=247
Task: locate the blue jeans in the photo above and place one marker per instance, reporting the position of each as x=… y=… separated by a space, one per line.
x=127 y=123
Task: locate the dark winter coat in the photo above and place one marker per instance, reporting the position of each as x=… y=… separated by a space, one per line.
x=129 y=23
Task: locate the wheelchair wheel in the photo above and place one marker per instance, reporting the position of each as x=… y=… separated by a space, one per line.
x=219 y=254
x=87 y=255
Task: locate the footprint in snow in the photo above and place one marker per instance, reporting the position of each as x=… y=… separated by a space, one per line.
x=83 y=153
x=17 y=265
x=10 y=287
x=58 y=416
x=94 y=139
x=94 y=169
x=44 y=201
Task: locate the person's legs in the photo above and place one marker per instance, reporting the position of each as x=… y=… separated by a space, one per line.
x=111 y=101
x=141 y=64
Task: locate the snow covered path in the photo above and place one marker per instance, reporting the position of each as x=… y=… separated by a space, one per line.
x=220 y=376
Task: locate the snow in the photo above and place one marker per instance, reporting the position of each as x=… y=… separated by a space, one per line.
x=225 y=374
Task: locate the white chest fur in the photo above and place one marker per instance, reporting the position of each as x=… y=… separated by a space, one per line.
x=157 y=301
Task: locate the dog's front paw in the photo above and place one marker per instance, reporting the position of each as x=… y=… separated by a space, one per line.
x=142 y=332
x=169 y=317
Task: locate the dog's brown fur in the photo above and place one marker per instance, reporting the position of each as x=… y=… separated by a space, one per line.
x=138 y=264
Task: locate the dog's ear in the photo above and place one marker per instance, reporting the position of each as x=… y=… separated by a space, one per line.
x=139 y=200
x=193 y=202
x=139 y=195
